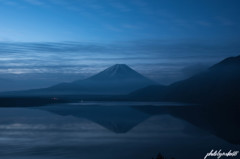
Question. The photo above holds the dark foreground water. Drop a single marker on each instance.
(110, 131)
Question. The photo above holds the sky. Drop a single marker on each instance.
(64, 40)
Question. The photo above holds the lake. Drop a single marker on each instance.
(110, 130)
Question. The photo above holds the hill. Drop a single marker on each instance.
(220, 83)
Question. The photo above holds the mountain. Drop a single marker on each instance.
(220, 83)
(118, 72)
(115, 80)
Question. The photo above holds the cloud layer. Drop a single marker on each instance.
(157, 59)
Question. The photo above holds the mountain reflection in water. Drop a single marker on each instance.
(114, 130)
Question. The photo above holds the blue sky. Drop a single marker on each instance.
(117, 20)
(166, 40)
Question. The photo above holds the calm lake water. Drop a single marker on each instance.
(107, 131)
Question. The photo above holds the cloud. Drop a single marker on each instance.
(139, 3)
(131, 26)
(191, 70)
(204, 23)
(112, 28)
(162, 60)
(49, 47)
(224, 21)
(35, 2)
(11, 3)
(120, 6)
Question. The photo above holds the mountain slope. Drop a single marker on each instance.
(220, 83)
(118, 72)
(117, 79)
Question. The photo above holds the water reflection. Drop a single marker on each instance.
(103, 131)
(223, 123)
(118, 119)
